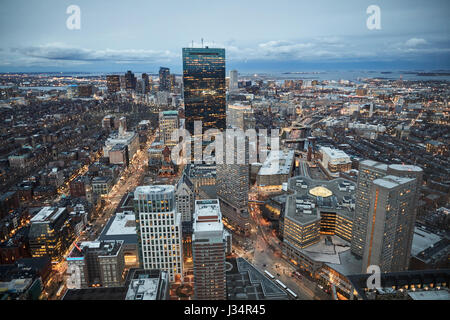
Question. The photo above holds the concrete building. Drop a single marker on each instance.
(233, 186)
(159, 229)
(168, 122)
(96, 264)
(127, 138)
(119, 154)
(122, 227)
(368, 171)
(208, 250)
(335, 161)
(233, 80)
(390, 214)
(140, 284)
(276, 169)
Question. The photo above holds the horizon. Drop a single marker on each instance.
(286, 37)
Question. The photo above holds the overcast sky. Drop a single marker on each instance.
(258, 35)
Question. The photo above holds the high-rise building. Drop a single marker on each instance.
(391, 213)
(130, 81)
(233, 186)
(204, 87)
(233, 80)
(164, 79)
(168, 122)
(159, 229)
(368, 171)
(113, 83)
(208, 250)
(173, 82)
(146, 81)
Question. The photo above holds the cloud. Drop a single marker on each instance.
(60, 51)
(415, 42)
(320, 49)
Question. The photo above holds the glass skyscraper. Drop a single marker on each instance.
(204, 87)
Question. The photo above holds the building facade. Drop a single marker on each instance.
(208, 250)
(159, 229)
(204, 87)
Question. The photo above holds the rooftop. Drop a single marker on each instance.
(47, 214)
(153, 189)
(277, 162)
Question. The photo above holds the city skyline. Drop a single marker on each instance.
(308, 36)
(212, 182)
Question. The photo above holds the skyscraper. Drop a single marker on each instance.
(232, 183)
(113, 83)
(208, 250)
(130, 81)
(159, 229)
(164, 79)
(146, 81)
(390, 216)
(168, 122)
(204, 87)
(233, 80)
(368, 171)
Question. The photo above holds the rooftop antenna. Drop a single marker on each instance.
(202, 42)
(192, 43)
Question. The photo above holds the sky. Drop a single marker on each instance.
(258, 35)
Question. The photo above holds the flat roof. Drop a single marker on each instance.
(143, 289)
(422, 240)
(430, 295)
(47, 214)
(405, 167)
(122, 223)
(391, 182)
(153, 189)
(277, 162)
(207, 216)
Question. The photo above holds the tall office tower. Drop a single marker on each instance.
(415, 172)
(164, 79)
(146, 82)
(173, 82)
(130, 81)
(113, 83)
(368, 171)
(208, 250)
(390, 215)
(232, 181)
(159, 229)
(233, 80)
(204, 87)
(168, 122)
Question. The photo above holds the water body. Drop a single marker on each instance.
(354, 75)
